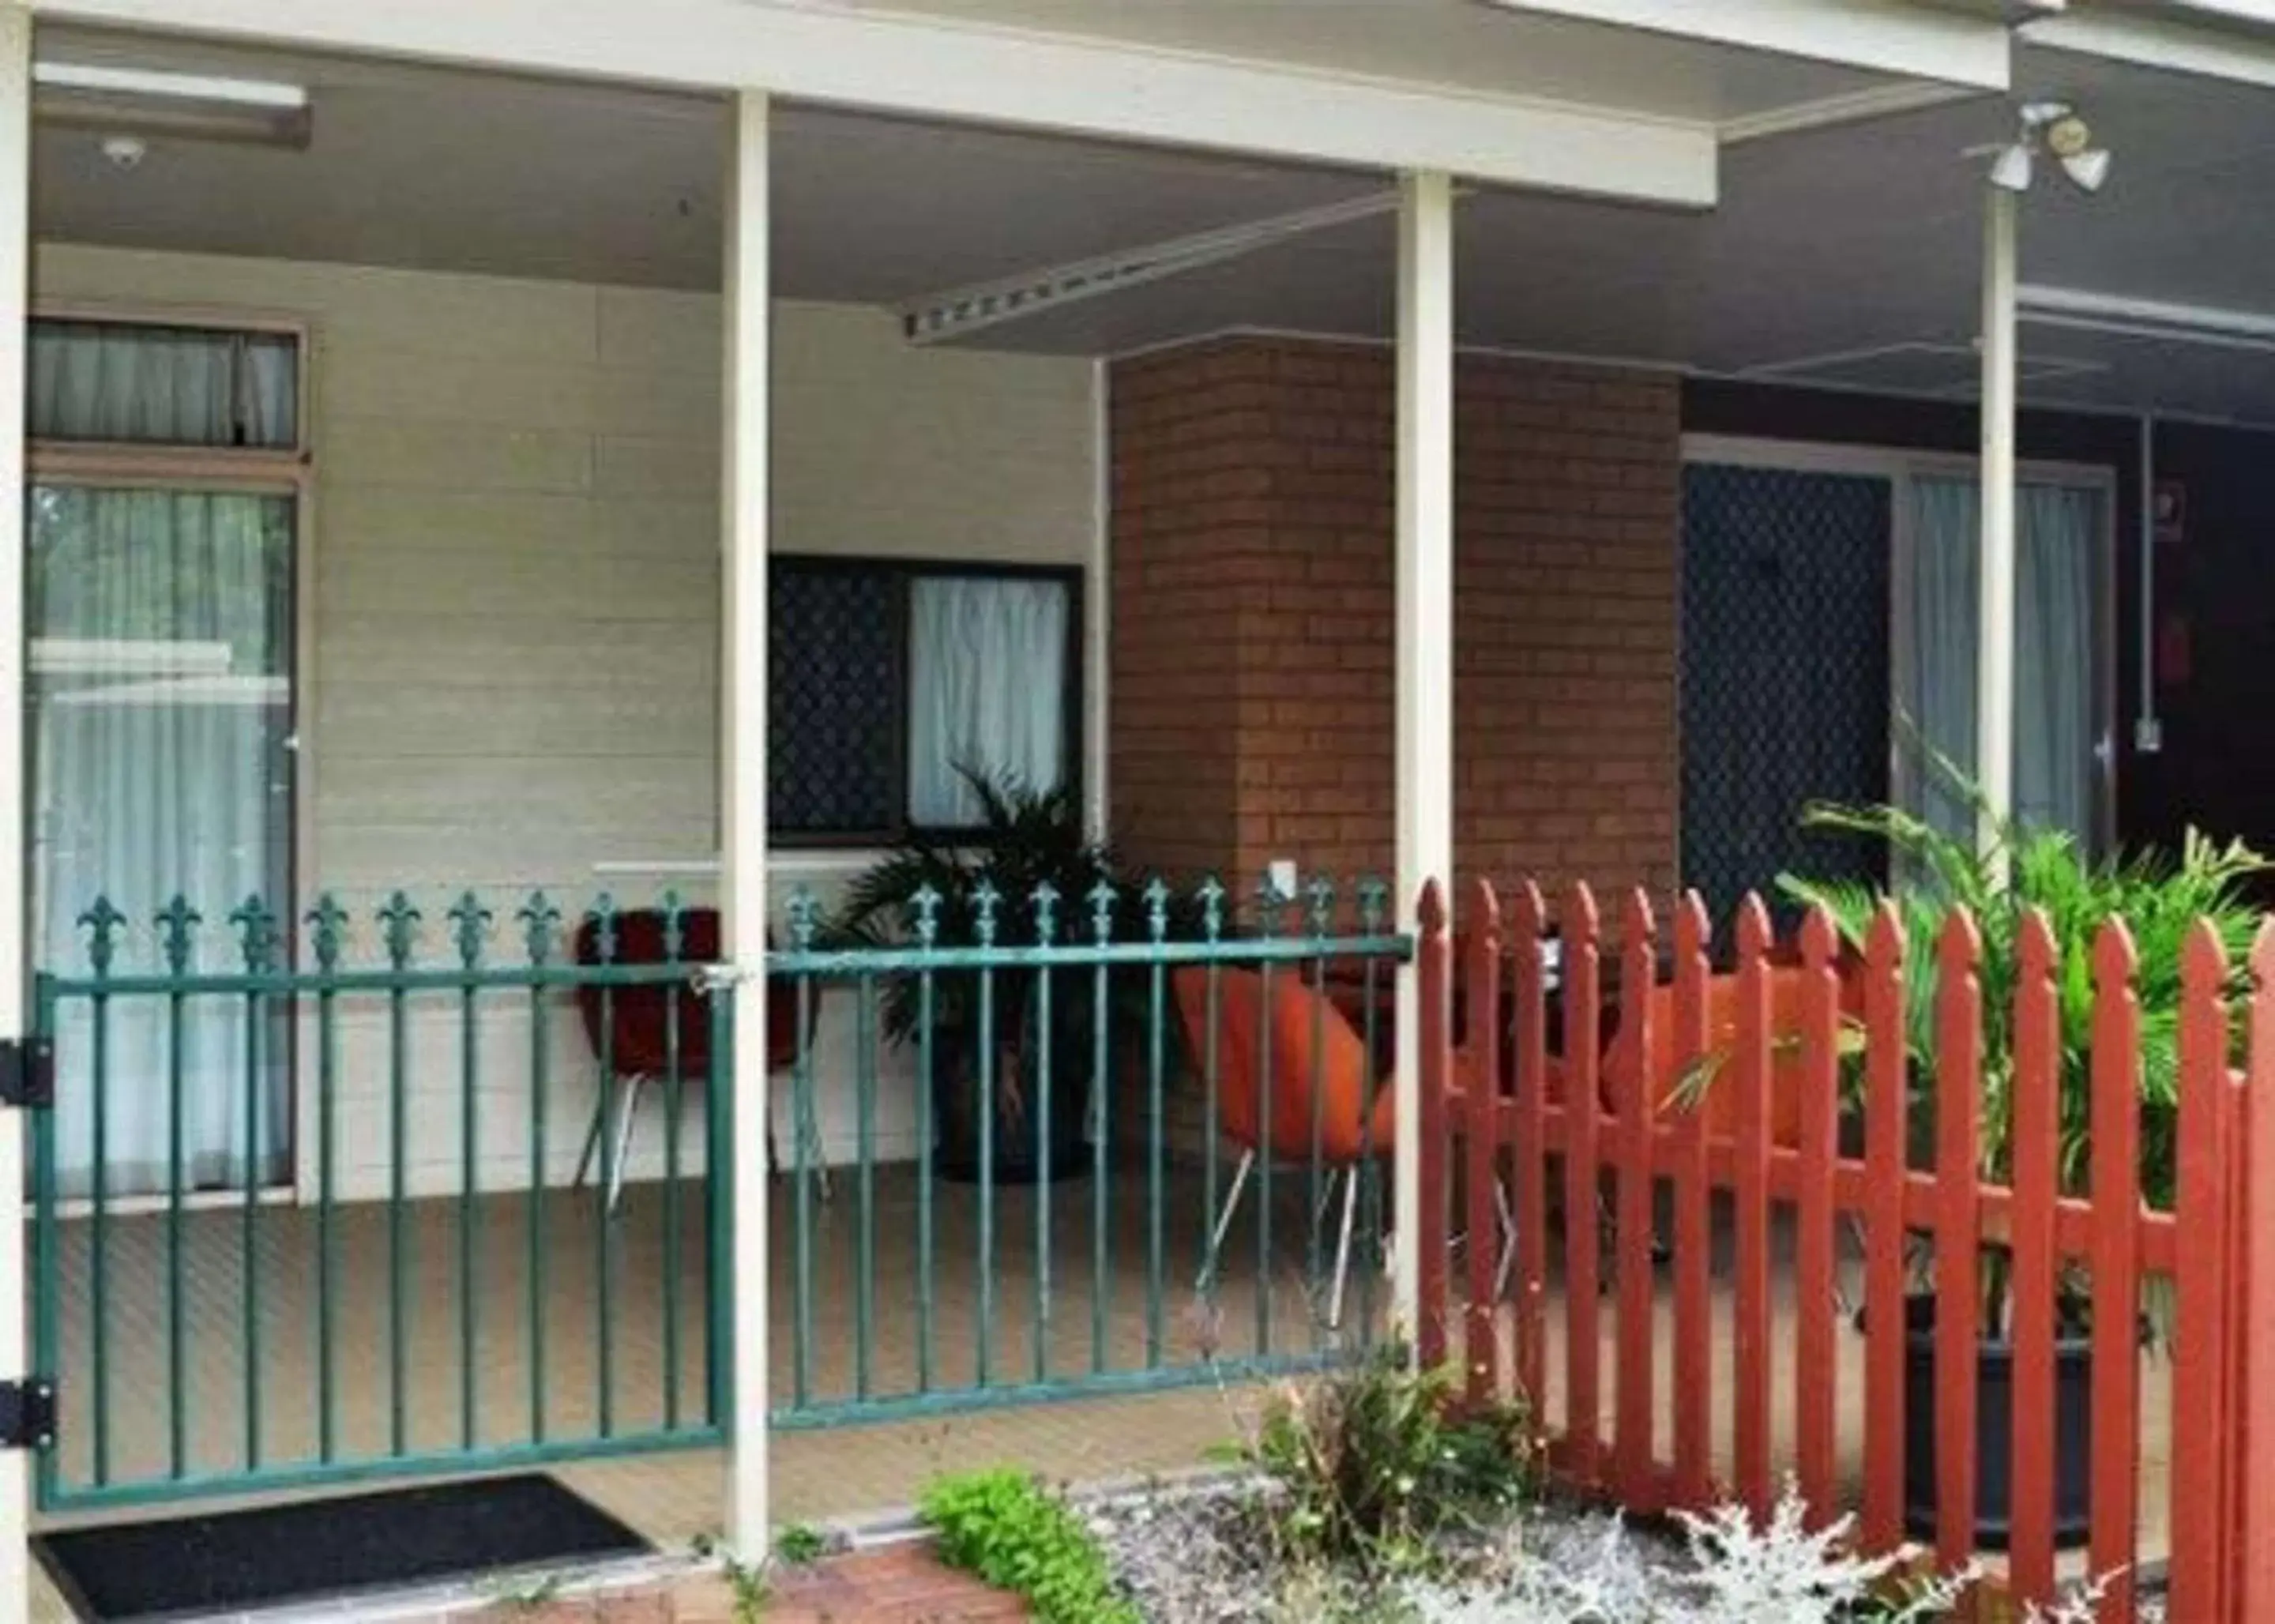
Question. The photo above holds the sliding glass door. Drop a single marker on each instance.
(161, 715)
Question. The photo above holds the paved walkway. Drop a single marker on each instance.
(902, 1584)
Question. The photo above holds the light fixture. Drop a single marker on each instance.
(2055, 129)
(146, 101)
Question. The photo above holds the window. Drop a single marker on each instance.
(160, 558)
(143, 383)
(885, 678)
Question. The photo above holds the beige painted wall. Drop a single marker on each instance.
(513, 663)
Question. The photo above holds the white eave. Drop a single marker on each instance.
(927, 68)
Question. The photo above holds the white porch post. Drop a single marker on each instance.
(1994, 664)
(743, 795)
(15, 252)
(1424, 790)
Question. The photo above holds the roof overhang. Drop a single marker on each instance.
(931, 68)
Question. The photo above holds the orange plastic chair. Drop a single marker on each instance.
(1320, 1067)
(1720, 1100)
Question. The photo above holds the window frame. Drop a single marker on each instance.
(904, 570)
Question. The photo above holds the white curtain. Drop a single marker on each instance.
(161, 650)
(2057, 532)
(167, 386)
(987, 687)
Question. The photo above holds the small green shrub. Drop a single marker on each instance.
(1008, 1530)
(1380, 1465)
(800, 1545)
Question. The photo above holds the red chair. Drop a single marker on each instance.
(638, 1020)
(1321, 1077)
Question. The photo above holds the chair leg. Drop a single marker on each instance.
(1343, 1247)
(633, 1085)
(1207, 1276)
(591, 1143)
(1507, 1215)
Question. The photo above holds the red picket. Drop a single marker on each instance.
(1886, 1084)
(1432, 952)
(1694, 1329)
(1751, 1354)
(1481, 1041)
(1638, 1113)
(1582, 1265)
(1959, 1091)
(1529, 1158)
(1816, 1373)
(2038, 1060)
(2116, 1127)
(2202, 1290)
(2252, 1158)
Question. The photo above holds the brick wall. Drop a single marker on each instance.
(1252, 613)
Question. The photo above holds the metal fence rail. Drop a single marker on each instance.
(395, 1297)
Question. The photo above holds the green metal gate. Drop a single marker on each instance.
(1053, 1215)
(396, 1278)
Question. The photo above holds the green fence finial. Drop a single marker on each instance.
(398, 929)
(926, 904)
(326, 924)
(256, 927)
(804, 915)
(1157, 908)
(1045, 905)
(604, 928)
(177, 924)
(1373, 905)
(675, 924)
(985, 900)
(1103, 901)
(471, 923)
(1321, 896)
(1210, 893)
(102, 922)
(539, 919)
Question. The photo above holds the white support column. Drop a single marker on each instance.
(15, 252)
(1425, 789)
(1994, 664)
(742, 795)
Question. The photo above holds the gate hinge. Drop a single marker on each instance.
(27, 1414)
(27, 1072)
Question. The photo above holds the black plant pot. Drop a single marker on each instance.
(1994, 1433)
(960, 1108)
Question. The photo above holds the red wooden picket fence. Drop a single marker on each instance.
(2217, 1249)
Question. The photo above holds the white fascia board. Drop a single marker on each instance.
(1882, 36)
(928, 69)
(2161, 43)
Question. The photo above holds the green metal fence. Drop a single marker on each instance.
(391, 1279)
(1009, 1186)
(306, 1208)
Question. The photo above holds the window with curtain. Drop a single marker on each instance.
(886, 680)
(2058, 529)
(160, 617)
(136, 383)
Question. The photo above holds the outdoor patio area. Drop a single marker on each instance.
(824, 1471)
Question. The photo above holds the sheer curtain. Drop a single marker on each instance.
(160, 692)
(159, 385)
(987, 685)
(2057, 530)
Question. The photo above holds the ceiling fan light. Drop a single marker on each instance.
(2087, 169)
(2010, 171)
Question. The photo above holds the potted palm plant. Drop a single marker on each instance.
(1028, 843)
(2000, 881)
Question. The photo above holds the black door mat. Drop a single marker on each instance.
(314, 1550)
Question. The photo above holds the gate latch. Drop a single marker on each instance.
(27, 1414)
(27, 1073)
